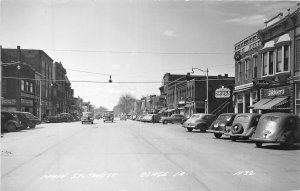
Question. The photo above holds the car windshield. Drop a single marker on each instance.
(29, 115)
(87, 114)
(196, 116)
(242, 118)
(271, 118)
(224, 117)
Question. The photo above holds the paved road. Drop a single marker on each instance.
(135, 156)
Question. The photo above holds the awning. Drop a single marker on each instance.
(180, 108)
(259, 104)
(163, 110)
(269, 44)
(275, 102)
(284, 38)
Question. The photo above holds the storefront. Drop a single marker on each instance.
(297, 98)
(274, 100)
(244, 96)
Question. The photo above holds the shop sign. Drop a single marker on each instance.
(281, 91)
(27, 95)
(261, 83)
(9, 101)
(222, 92)
(26, 102)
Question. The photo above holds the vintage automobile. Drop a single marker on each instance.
(151, 118)
(199, 121)
(108, 116)
(53, 119)
(243, 126)
(66, 117)
(175, 118)
(87, 117)
(218, 127)
(27, 119)
(123, 117)
(280, 128)
(9, 121)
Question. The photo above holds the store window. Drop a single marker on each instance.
(4, 86)
(271, 63)
(297, 100)
(297, 66)
(31, 87)
(239, 72)
(27, 87)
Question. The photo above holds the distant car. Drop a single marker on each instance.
(108, 116)
(27, 119)
(199, 121)
(151, 118)
(66, 117)
(218, 127)
(87, 117)
(123, 117)
(53, 119)
(243, 126)
(175, 118)
(280, 128)
(9, 121)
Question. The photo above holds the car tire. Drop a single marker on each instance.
(81, 122)
(258, 144)
(237, 128)
(165, 122)
(32, 125)
(218, 135)
(289, 143)
(24, 125)
(10, 127)
(233, 138)
(92, 122)
(190, 129)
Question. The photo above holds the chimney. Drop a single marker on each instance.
(18, 53)
(226, 75)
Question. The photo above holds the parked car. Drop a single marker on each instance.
(199, 121)
(218, 127)
(151, 118)
(140, 117)
(27, 119)
(53, 119)
(280, 128)
(108, 116)
(87, 117)
(175, 118)
(66, 117)
(9, 121)
(243, 126)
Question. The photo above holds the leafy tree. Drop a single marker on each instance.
(125, 104)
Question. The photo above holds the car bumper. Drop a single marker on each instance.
(262, 140)
(215, 131)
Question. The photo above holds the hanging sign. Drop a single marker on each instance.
(222, 92)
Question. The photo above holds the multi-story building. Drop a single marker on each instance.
(247, 70)
(276, 86)
(41, 63)
(188, 96)
(59, 77)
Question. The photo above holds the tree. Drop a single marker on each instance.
(100, 110)
(125, 104)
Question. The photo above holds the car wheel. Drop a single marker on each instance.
(233, 138)
(92, 122)
(190, 129)
(202, 130)
(289, 143)
(165, 122)
(218, 135)
(32, 125)
(258, 144)
(11, 127)
(24, 125)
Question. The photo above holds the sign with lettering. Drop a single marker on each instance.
(26, 102)
(9, 102)
(222, 92)
(273, 92)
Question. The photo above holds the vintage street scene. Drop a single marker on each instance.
(150, 95)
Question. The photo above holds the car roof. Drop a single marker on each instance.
(247, 114)
(280, 114)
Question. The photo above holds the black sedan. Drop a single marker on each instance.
(27, 119)
(199, 121)
(218, 127)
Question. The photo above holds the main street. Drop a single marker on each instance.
(135, 156)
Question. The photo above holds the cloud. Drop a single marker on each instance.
(169, 33)
(117, 66)
(250, 20)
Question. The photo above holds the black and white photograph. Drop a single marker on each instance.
(150, 95)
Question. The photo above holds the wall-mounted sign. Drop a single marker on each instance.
(272, 92)
(261, 83)
(9, 102)
(26, 102)
(222, 92)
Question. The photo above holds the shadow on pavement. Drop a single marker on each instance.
(279, 147)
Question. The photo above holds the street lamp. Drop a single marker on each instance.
(206, 101)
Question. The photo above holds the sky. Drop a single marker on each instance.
(134, 41)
